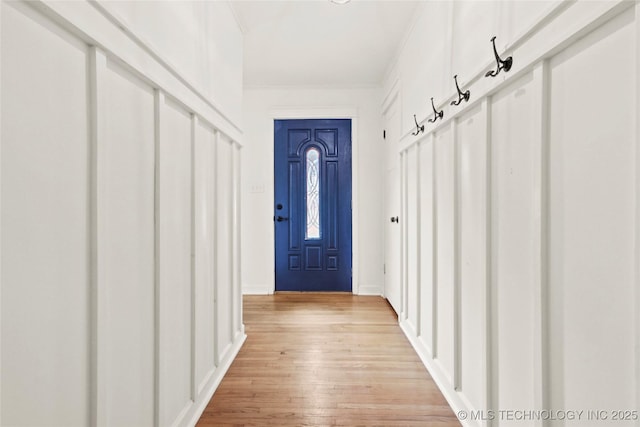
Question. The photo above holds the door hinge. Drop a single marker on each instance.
(384, 134)
(384, 268)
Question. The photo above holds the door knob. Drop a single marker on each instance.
(282, 218)
(394, 219)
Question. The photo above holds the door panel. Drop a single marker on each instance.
(392, 289)
(312, 215)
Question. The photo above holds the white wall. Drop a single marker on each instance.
(261, 107)
(527, 294)
(119, 223)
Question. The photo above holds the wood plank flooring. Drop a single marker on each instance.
(316, 359)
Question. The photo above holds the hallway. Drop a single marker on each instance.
(491, 196)
(325, 359)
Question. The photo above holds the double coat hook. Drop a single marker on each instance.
(461, 95)
(418, 128)
(502, 64)
(436, 114)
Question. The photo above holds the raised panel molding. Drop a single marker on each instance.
(97, 24)
(637, 219)
(47, 225)
(115, 69)
(561, 25)
(97, 141)
(527, 172)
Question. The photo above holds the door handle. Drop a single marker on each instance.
(394, 219)
(282, 218)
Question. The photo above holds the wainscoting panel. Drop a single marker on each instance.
(515, 231)
(224, 261)
(120, 228)
(126, 245)
(46, 223)
(204, 236)
(413, 239)
(428, 297)
(528, 240)
(445, 235)
(175, 262)
(592, 181)
(471, 258)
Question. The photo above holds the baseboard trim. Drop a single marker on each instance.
(446, 387)
(267, 290)
(369, 290)
(256, 290)
(214, 382)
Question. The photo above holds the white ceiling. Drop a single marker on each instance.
(320, 43)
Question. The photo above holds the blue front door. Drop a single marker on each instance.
(312, 212)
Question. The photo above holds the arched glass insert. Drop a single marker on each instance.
(313, 193)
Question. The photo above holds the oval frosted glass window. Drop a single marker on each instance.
(313, 194)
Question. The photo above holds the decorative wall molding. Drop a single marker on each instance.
(192, 231)
(541, 119)
(107, 12)
(214, 381)
(637, 216)
(488, 302)
(441, 379)
(457, 249)
(99, 321)
(216, 284)
(93, 23)
(559, 27)
(158, 103)
(110, 45)
(0, 218)
(564, 24)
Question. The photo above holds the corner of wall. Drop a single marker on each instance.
(263, 289)
(376, 290)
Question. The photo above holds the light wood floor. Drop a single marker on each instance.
(323, 360)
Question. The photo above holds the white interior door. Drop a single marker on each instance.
(392, 284)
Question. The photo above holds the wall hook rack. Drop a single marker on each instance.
(502, 64)
(419, 128)
(461, 95)
(436, 114)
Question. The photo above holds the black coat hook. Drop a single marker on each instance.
(502, 64)
(418, 128)
(436, 114)
(461, 95)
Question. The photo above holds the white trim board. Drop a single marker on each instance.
(215, 379)
(557, 30)
(1, 6)
(372, 290)
(106, 10)
(439, 377)
(96, 27)
(637, 213)
(264, 289)
(586, 21)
